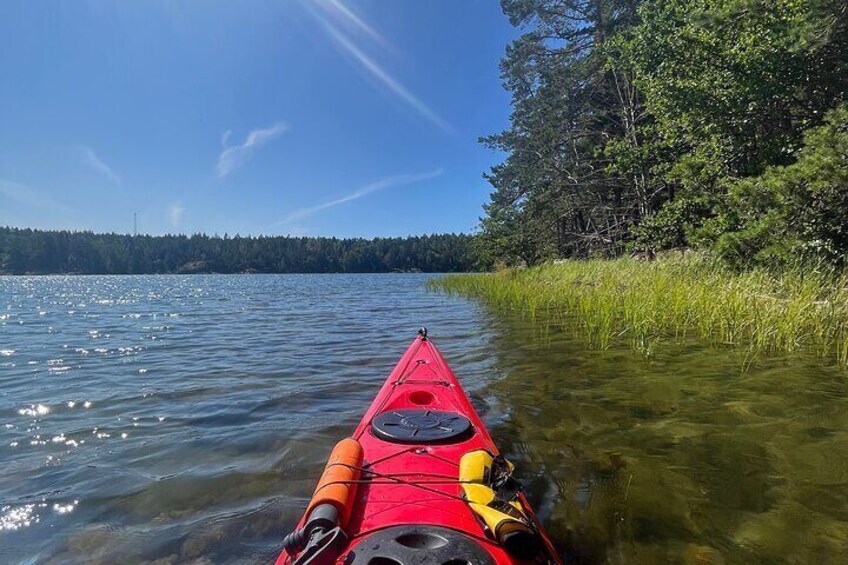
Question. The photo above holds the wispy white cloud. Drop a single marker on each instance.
(333, 11)
(28, 196)
(175, 213)
(91, 159)
(234, 156)
(382, 184)
(341, 13)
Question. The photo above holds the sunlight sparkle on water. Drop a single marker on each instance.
(65, 508)
(34, 410)
(16, 517)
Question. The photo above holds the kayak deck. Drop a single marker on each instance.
(413, 436)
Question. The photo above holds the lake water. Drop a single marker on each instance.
(175, 419)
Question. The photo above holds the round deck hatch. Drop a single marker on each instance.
(418, 545)
(420, 426)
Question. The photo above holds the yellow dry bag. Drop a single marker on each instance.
(505, 519)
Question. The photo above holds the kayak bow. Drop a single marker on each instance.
(419, 482)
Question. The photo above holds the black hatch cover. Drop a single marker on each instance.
(418, 545)
(420, 426)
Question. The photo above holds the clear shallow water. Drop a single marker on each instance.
(679, 458)
(176, 419)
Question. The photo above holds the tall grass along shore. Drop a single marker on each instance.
(781, 312)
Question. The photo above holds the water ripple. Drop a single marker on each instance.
(182, 417)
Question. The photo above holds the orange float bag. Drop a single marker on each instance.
(335, 487)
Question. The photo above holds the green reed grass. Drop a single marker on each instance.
(801, 308)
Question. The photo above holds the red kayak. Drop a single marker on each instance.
(419, 482)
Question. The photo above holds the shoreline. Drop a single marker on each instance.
(644, 302)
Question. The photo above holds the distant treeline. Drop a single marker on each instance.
(25, 251)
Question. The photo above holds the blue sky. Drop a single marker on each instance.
(304, 117)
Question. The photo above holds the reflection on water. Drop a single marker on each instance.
(680, 458)
(173, 419)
